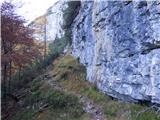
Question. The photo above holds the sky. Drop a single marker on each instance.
(32, 9)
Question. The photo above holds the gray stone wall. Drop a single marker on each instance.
(119, 43)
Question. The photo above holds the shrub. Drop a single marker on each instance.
(43, 93)
(57, 46)
(59, 99)
(27, 114)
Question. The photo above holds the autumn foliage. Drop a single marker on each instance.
(17, 45)
(16, 38)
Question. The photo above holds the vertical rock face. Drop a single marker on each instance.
(55, 20)
(49, 26)
(119, 43)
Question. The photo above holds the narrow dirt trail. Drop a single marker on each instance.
(89, 106)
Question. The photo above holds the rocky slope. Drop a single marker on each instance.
(119, 43)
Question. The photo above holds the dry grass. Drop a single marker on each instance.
(72, 76)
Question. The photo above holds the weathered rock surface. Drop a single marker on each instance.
(55, 20)
(119, 43)
(49, 26)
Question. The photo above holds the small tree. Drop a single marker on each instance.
(17, 42)
(39, 26)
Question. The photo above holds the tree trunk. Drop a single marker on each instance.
(45, 41)
(4, 82)
(10, 77)
(19, 76)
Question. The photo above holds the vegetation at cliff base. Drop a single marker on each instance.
(72, 76)
(43, 99)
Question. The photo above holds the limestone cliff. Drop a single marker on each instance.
(49, 26)
(119, 43)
